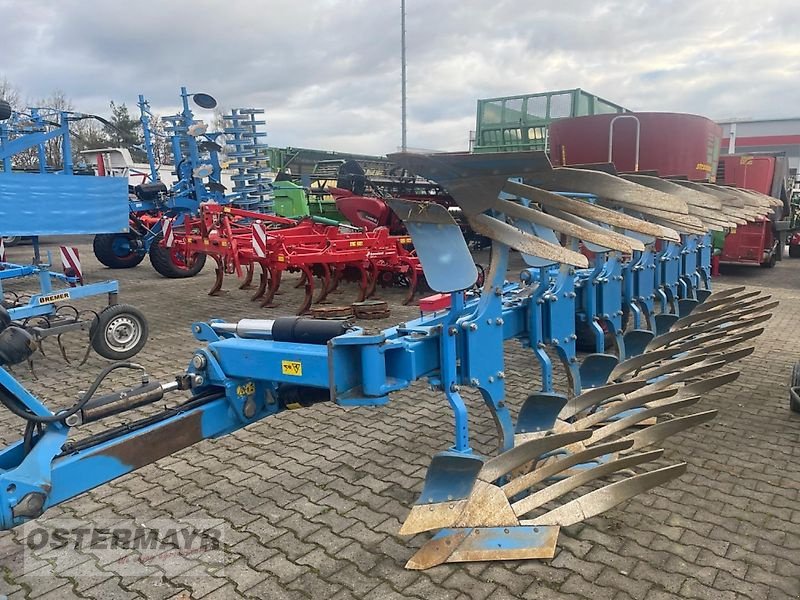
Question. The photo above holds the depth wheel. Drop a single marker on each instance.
(119, 332)
(173, 262)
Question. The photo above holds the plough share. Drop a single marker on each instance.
(565, 458)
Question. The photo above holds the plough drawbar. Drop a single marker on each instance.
(636, 277)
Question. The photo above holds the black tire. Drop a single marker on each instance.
(119, 332)
(107, 250)
(162, 260)
(5, 110)
(773, 260)
(794, 389)
(794, 251)
(12, 240)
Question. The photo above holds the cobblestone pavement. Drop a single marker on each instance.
(310, 501)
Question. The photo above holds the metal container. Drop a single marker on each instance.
(669, 143)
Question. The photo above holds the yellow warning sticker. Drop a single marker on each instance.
(51, 298)
(703, 167)
(292, 367)
(246, 389)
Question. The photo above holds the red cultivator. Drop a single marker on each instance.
(238, 240)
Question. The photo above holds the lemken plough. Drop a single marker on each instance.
(628, 263)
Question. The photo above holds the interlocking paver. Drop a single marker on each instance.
(316, 496)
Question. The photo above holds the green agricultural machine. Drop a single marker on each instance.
(514, 123)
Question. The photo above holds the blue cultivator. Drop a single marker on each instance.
(566, 458)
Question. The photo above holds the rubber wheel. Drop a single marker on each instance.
(119, 332)
(794, 251)
(794, 389)
(5, 110)
(171, 263)
(773, 260)
(12, 240)
(114, 250)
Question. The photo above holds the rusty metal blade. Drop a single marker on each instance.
(589, 211)
(596, 396)
(602, 237)
(635, 244)
(698, 388)
(690, 196)
(558, 489)
(613, 409)
(551, 469)
(608, 186)
(683, 375)
(486, 543)
(523, 242)
(658, 432)
(599, 501)
(507, 461)
(620, 425)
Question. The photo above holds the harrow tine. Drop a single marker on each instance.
(364, 284)
(655, 434)
(558, 489)
(609, 496)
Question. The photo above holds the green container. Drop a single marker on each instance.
(289, 199)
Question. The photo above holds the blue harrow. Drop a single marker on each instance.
(566, 457)
(42, 193)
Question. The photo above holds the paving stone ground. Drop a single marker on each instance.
(310, 501)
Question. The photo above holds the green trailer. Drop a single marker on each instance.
(514, 123)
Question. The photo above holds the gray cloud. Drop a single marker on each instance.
(327, 72)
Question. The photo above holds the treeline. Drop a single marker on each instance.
(122, 131)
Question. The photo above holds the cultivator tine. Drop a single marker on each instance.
(219, 271)
(308, 277)
(274, 284)
(607, 497)
(248, 278)
(325, 284)
(263, 280)
(413, 282)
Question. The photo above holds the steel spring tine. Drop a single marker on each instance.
(63, 349)
(90, 345)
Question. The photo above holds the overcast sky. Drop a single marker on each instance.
(328, 71)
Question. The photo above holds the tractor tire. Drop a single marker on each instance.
(171, 264)
(119, 332)
(773, 260)
(114, 250)
(794, 389)
(12, 240)
(794, 251)
(5, 110)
